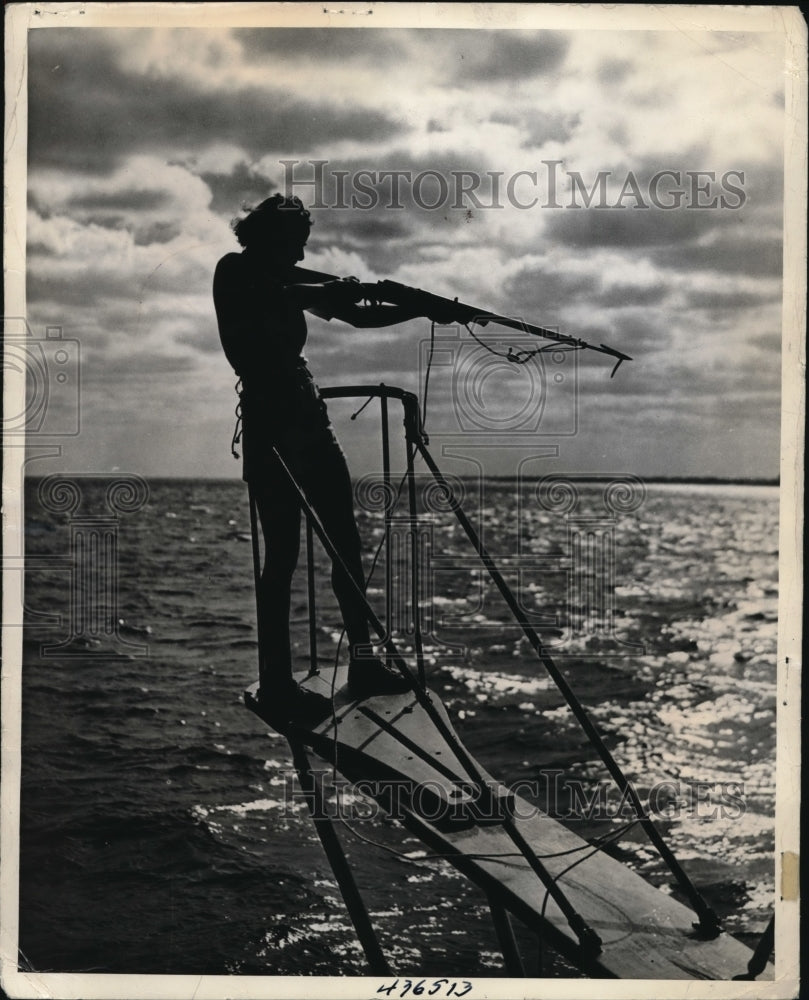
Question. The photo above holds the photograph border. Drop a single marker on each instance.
(20, 17)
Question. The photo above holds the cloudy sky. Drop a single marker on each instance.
(144, 144)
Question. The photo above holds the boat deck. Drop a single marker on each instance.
(396, 749)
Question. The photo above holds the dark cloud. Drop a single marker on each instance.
(763, 186)
(546, 294)
(143, 233)
(491, 56)
(699, 235)
(548, 128)
(70, 290)
(620, 295)
(156, 232)
(733, 252)
(105, 209)
(767, 342)
(36, 249)
(205, 339)
(640, 334)
(631, 318)
(613, 70)
(87, 113)
(240, 188)
(114, 222)
(618, 134)
(127, 201)
(318, 45)
(721, 299)
(542, 299)
(388, 227)
(133, 366)
(540, 127)
(628, 227)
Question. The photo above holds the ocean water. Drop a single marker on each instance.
(161, 829)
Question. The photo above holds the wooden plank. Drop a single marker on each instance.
(645, 933)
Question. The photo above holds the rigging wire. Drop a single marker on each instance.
(593, 847)
(606, 839)
(368, 579)
(518, 357)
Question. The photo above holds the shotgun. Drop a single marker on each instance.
(435, 306)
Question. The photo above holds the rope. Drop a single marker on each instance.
(520, 357)
(238, 429)
(427, 375)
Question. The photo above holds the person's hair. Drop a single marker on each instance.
(279, 219)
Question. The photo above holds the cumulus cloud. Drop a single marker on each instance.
(144, 144)
(88, 112)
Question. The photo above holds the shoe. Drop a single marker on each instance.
(370, 677)
(297, 706)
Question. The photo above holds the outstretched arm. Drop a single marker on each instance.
(340, 299)
(325, 298)
(365, 317)
(378, 314)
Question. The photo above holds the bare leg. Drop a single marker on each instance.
(280, 526)
(331, 495)
(280, 516)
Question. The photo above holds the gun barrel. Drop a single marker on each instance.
(396, 293)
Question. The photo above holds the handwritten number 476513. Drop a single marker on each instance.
(427, 987)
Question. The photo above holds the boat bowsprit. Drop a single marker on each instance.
(403, 752)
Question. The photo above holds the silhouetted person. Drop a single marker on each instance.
(260, 311)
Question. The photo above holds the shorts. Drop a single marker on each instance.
(295, 420)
